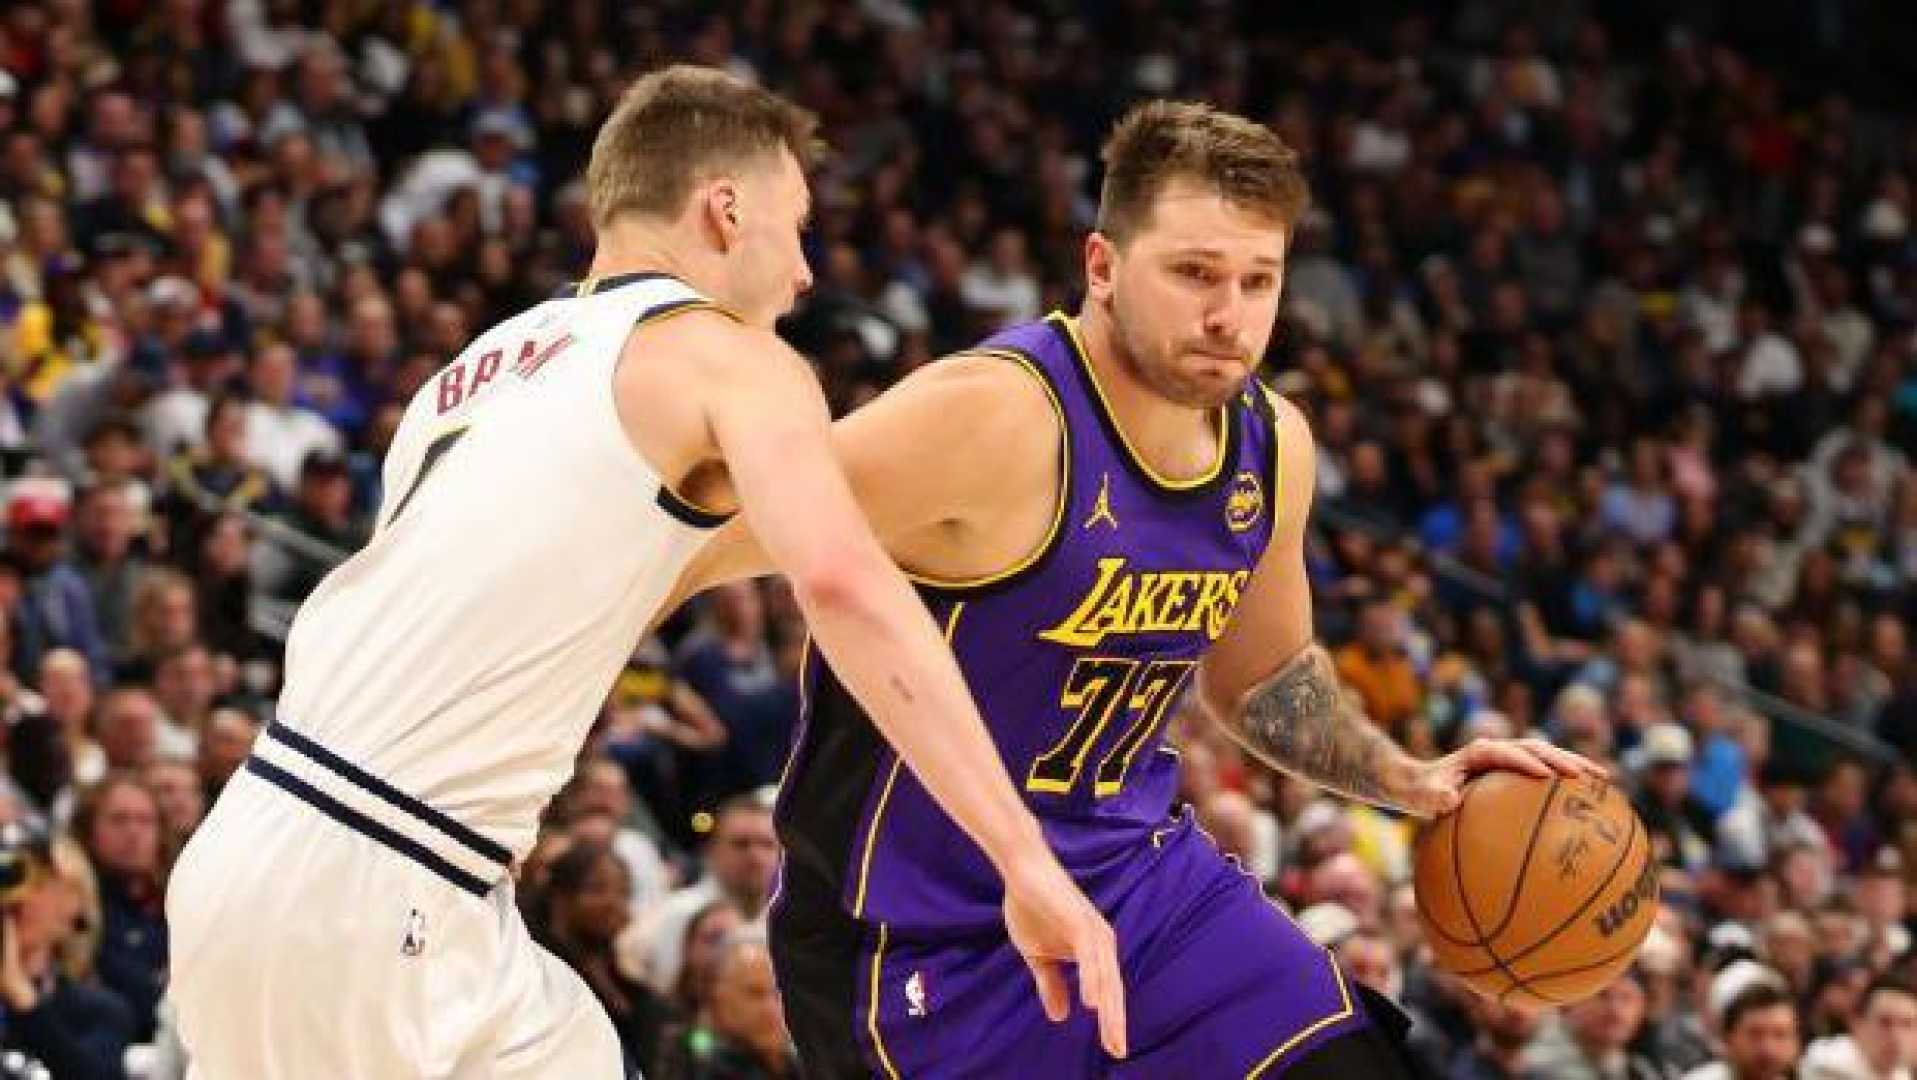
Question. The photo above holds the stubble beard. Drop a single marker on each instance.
(1160, 374)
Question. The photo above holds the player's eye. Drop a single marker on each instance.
(1258, 283)
(1192, 272)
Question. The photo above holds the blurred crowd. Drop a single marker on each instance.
(1605, 327)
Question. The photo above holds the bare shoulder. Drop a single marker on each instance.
(1297, 457)
(983, 401)
(683, 378)
(706, 343)
(1291, 419)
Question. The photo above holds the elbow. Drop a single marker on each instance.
(1208, 698)
(832, 584)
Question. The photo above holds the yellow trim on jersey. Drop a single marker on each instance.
(1278, 405)
(1125, 442)
(1064, 486)
(872, 1006)
(1344, 991)
(1345, 1009)
(878, 812)
(792, 755)
(672, 309)
(872, 836)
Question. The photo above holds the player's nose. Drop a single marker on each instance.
(1223, 316)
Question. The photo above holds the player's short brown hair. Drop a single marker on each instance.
(1161, 140)
(678, 125)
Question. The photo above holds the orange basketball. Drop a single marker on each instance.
(1538, 890)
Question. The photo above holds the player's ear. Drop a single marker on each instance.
(1101, 256)
(721, 211)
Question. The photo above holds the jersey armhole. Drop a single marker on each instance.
(1002, 579)
(1267, 406)
(675, 504)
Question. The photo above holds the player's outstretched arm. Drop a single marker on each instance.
(1277, 692)
(770, 423)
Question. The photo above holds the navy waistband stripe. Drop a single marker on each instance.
(487, 849)
(364, 825)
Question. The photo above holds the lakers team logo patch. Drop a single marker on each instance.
(1245, 503)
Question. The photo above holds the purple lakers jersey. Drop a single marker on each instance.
(1076, 656)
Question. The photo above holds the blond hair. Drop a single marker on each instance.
(1160, 141)
(676, 126)
(78, 950)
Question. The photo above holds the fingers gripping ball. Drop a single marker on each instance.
(1536, 890)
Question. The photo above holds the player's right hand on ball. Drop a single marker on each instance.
(1051, 924)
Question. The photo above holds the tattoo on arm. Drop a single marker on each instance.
(1300, 721)
(904, 691)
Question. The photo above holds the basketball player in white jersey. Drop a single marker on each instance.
(347, 908)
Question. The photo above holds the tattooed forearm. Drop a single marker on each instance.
(1299, 721)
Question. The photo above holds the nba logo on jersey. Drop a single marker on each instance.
(915, 994)
(414, 943)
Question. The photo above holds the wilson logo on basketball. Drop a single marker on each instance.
(1580, 809)
(1626, 906)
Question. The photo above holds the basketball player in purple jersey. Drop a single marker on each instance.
(1106, 516)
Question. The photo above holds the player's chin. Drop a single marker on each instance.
(1212, 383)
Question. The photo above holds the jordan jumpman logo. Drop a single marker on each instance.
(1102, 509)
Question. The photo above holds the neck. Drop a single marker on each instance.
(1176, 440)
(631, 248)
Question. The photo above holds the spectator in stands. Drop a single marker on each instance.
(705, 934)
(741, 857)
(66, 689)
(741, 1032)
(1375, 666)
(131, 731)
(183, 684)
(600, 787)
(321, 510)
(588, 905)
(181, 800)
(56, 607)
(224, 584)
(105, 555)
(658, 728)
(1680, 828)
(1594, 1039)
(282, 434)
(118, 821)
(1502, 1033)
(729, 662)
(1761, 1039)
(165, 620)
(176, 418)
(225, 742)
(1882, 1041)
(215, 478)
(54, 1011)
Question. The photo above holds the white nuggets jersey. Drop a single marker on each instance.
(522, 547)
